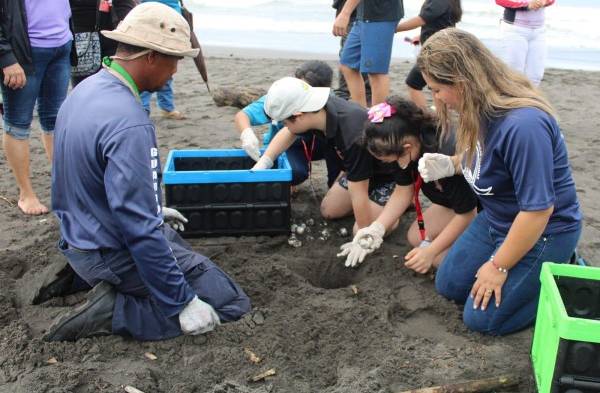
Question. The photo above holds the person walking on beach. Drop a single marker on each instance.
(434, 16)
(35, 59)
(342, 89)
(164, 96)
(307, 147)
(400, 132)
(148, 282)
(366, 184)
(368, 48)
(524, 36)
(511, 152)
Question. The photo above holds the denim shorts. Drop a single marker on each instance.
(378, 192)
(47, 85)
(368, 47)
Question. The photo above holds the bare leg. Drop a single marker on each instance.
(48, 141)
(417, 97)
(436, 218)
(380, 88)
(356, 85)
(336, 203)
(17, 155)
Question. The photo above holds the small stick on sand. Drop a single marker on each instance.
(5, 199)
(476, 386)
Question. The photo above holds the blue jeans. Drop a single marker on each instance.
(520, 292)
(136, 312)
(164, 97)
(47, 85)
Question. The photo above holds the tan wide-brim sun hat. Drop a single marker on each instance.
(155, 26)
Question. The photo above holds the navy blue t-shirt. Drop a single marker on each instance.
(522, 165)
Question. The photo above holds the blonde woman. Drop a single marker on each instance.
(512, 153)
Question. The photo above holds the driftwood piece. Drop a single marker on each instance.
(475, 386)
(236, 96)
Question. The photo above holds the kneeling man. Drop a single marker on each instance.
(147, 282)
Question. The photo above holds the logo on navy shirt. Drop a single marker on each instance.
(471, 176)
(154, 166)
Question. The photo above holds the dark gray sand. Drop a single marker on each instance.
(308, 324)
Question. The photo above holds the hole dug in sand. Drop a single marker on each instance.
(327, 274)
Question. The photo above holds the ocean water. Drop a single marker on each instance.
(572, 27)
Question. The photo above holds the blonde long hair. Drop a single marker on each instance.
(487, 86)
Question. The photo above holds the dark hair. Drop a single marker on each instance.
(316, 73)
(388, 137)
(456, 11)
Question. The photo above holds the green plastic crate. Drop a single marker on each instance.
(566, 344)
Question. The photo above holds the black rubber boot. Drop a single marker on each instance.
(92, 318)
(59, 284)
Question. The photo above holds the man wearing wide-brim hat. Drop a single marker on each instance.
(147, 282)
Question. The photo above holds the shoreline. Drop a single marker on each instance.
(222, 51)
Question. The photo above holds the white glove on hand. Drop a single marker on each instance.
(263, 163)
(198, 317)
(250, 143)
(174, 218)
(365, 241)
(354, 253)
(435, 166)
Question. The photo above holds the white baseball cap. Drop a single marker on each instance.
(292, 95)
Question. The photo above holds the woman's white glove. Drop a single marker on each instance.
(435, 166)
(365, 241)
(198, 317)
(174, 218)
(250, 143)
(263, 163)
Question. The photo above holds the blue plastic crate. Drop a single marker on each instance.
(219, 195)
(222, 166)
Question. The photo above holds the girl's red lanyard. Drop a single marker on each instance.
(418, 182)
(309, 154)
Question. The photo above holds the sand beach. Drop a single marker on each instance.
(393, 333)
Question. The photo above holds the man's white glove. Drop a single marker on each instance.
(263, 163)
(435, 166)
(365, 241)
(174, 218)
(198, 317)
(250, 143)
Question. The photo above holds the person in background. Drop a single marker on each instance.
(85, 13)
(342, 90)
(434, 16)
(524, 36)
(307, 147)
(399, 132)
(164, 96)
(368, 48)
(512, 153)
(366, 184)
(147, 281)
(35, 64)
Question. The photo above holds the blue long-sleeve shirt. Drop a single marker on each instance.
(106, 184)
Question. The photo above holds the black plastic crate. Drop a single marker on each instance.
(219, 195)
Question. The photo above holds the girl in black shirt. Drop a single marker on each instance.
(434, 16)
(400, 132)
